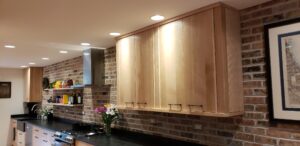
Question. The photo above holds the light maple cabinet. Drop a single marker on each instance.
(33, 84)
(188, 65)
(127, 75)
(42, 137)
(136, 70)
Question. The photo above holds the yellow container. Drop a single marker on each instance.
(65, 99)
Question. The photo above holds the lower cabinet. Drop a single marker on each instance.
(80, 143)
(42, 137)
(20, 139)
(13, 132)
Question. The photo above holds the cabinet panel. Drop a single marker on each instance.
(197, 63)
(145, 48)
(170, 74)
(126, 59)
(33, 84)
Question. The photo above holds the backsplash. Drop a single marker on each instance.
(92, 96)
(251, 129)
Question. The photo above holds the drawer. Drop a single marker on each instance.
(20, 136)
(20, 143)
(36, 130)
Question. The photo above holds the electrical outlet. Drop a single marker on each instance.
(198, 127)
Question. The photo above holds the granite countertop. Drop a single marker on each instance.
(127, 138)
(118, 138)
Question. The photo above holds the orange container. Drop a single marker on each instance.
(65, 99)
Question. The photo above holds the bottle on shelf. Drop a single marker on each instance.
(79, 98)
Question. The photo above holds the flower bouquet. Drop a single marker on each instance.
(109, 114)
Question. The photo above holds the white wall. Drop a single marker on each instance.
(13, 105)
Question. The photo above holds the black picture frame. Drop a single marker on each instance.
(267, 27)
(5, 90)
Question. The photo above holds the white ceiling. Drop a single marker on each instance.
(41, 28)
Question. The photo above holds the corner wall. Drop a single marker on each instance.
(13, 105)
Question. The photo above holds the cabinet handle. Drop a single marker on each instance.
(45, 133)
(195, 105)
(141, 104)
(45, 141)
(36, 137)
(129, 103)
(176, 105)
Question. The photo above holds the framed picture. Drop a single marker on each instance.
(5, 90)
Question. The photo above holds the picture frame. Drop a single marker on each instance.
(5, 90)
(283, 60)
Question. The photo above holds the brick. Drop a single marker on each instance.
(255, 130)
(262, 12)
(265, 140)
(255, 100)
(249, 107)
(278, 133)
(244, 137)
(256, 116)
(261, 108)
(252, 53)
(293, 14)
(288, 143)
(252, 69)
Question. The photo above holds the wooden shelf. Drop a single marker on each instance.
(61, 89)
(208, 114)
(68, 105)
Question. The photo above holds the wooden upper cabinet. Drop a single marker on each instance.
(33, 84)
(190, 64)
(145, 44)
(136, 70)
(197, 63)
(228, 60)
(169, 65)
(127, 74)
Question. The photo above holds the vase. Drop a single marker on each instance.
(107, 129)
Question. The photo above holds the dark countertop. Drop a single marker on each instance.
(118, 137)
(127, 138)
(51, 125)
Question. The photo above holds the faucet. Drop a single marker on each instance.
(34, 108)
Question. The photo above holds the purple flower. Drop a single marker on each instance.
(100, 109)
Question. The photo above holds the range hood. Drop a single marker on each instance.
(93, 67)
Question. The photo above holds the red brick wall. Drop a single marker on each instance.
(92, 96)
(251, 129)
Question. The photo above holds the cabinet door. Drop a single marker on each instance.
(33, 84)
(126, 60)
(197, 73)
(170, 81)
(145, 47)
(27, 84)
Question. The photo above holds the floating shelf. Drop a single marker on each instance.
(60, 89)
(68, 105)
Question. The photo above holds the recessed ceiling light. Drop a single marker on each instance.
(23, 66)
(114, 34)
(63, 52)
(9, 46)
(157, 17)
(85, 44)
(31, 63)
(45, 58)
